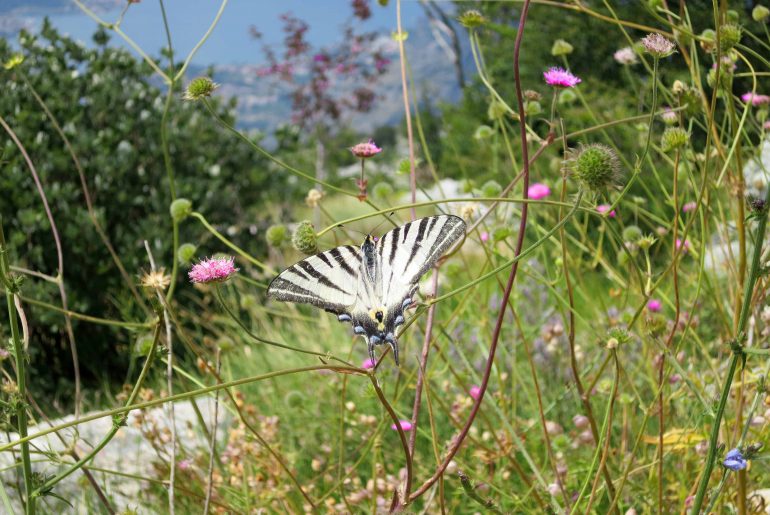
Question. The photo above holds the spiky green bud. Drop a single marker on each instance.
(595, 166)
(708, 40)
(304, 238)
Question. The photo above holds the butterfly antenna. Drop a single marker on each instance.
(387, 219)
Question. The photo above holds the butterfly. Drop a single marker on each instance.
(371, 286)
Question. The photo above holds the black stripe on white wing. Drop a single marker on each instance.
(408, 252)
(328, 280)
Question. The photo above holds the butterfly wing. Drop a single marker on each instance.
(406, 253)
(328, 280)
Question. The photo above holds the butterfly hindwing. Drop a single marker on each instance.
(328, 280)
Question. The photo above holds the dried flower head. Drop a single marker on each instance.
(560, 78)
(626, 56)
(199, 87)
(658, 45)
(313, 197)
(594, 166)
(365, 150)
(156, 280)
(212, 270)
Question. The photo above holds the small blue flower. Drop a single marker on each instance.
(734, 460)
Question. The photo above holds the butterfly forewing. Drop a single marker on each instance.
(328, 280)
(408, 252)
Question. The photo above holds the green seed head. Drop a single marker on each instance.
(760, 13)
(632, 233)
(561, 47)
(472, 19)
(491, 189)
(595, 166)
(180, 209)
(276, 235)
(185, 253)
(304, 238)
(730, 35)
(200, 87)
(674, 138)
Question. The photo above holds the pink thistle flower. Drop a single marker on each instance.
(365, 150)
(756, 100)
(654, 305)
(405, 425)
(560, 78)
(538, 191)
(603, 208)
(475, 392)
(484, 236)
(689, 206)
(683, 245)
(212, 270)
(185, 464)
(368, 363)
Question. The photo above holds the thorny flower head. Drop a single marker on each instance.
(213, 270)
(199, 88)
(560, 78)
(658, 45)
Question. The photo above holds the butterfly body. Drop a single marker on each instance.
(371, 286)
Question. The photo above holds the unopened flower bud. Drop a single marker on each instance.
(180, 209)
(304, 238)
(199, 88)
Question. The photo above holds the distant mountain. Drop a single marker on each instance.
(264, 103)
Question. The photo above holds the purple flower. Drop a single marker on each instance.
(405, 425)
(657, 45)
(560, 78)
(365, 150)
(625, 56)
(603, 208)
(683, 245)
(538, 191)
(475, 392)
(484, 236)
(212, 270)
(734, 460)
(654, 305)
(368, 364)
(689, 206)
(756, 100)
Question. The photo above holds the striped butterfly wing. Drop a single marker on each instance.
(406, 253)
(328, 280)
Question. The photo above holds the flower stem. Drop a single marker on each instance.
(21, 378)
(737, 354)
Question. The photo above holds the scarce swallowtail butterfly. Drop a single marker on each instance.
(371, 286)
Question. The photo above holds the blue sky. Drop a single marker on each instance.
(189, 19)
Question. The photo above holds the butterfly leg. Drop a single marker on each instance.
(393, 345)
(370, 347)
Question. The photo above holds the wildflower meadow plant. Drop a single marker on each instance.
(578, 294)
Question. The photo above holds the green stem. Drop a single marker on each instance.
(21, 379)
(230, 244)
(738, 353)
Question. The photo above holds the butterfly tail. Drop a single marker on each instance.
(394, 345)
